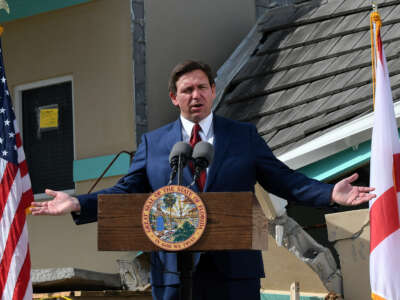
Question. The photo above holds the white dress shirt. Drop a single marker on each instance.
(206, 132)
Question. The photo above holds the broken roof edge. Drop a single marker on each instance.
(337, 140)
(337, 152)
(332, 142)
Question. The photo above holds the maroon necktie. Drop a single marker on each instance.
(194, 139)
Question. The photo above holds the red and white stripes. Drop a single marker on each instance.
(15, 197)
(385, 177)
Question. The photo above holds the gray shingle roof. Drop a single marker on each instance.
(311, 70)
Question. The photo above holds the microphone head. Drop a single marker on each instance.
(204, 151)
(180, 148)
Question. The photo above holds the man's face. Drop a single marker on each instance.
(194, 95)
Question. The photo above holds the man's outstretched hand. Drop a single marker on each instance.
(61, 204)
(345, 194)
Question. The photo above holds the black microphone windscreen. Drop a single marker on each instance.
(204, 150)
(181, 148)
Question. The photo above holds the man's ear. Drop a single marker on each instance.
(213, 89)
(172, 96)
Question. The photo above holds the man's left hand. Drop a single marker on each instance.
(345, 194)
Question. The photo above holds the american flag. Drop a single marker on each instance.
(15, 197)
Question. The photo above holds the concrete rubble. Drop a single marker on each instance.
(134, 275)
(69, 279)
(290, 235)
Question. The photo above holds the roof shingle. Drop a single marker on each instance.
(311, 71)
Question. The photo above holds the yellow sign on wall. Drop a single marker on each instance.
(48, 118)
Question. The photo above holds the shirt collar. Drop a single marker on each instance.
(205, 124)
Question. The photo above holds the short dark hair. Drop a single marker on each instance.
(186, 67)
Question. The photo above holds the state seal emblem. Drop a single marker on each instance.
(174, 217)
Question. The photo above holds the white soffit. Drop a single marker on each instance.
(339, 139)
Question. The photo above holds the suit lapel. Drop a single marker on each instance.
(174, 136)
(222, 138)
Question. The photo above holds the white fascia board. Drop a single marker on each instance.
(337, 140)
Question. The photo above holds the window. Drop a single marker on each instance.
(45, 113)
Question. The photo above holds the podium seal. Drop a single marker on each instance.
(174, 217)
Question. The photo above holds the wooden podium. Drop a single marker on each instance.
(235, 221)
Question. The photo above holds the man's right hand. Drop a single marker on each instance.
(61, 204)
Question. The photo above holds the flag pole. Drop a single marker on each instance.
(374, 19)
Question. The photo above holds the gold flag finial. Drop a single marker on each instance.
(374, 5)
(4, 5)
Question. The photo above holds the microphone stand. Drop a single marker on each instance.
(180, 169)
(185, 259)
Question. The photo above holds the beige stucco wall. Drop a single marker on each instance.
(57, 242)
(176, 30)
(92, 43)
(350, 233)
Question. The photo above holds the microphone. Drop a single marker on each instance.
(203, 154)
(180, 154)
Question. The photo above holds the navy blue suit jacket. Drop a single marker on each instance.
(241, 159)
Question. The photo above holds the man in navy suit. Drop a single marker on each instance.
(242, 158)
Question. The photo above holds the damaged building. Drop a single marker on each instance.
(303, 77)
(300, 70)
